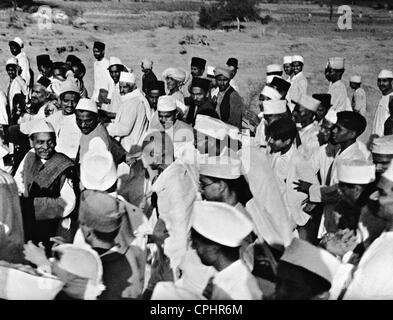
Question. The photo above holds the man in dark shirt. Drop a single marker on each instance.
(148, 77)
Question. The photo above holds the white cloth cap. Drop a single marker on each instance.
(127, 77)
(356, 172)
(87, 105)
(147, 63)
(382, 145)
(297, 58)
(68, 86)
(273, 68)
(214, 128)
(223, 167)
(331, 116)
(220, 223)
(336, 63)
(12, 61)
(271, 93)
(177, 74)
(210, 71)
(41, 127)
(308, 102)
(113, 61)
(385, 74)
(356, 79)
(98, 170)
(19, 41)
(166, 104)
(274, 106)
(287, 59)
(319, 261)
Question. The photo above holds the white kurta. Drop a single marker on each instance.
(114, 96)
(373, 277)
(340, 100)
(309, 138)
(237, 283)
(24, 63)
(67, 132)
(18, 85)
(297, 88)
(381, 115)
(288, 168)
(131, 122)
(359, 101)
(102, 79)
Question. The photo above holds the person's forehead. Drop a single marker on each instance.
(385, 184)
(197, 90)
(43, 136)
(222, 78)
(69, 96)
(154, 93)
(124, 84)
(382, 158)
(85, 114)
(114, 68)
(166, 113)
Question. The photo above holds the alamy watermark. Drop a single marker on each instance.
(345, 20)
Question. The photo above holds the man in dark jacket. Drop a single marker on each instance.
(199, 102)
(229, 103)
(148, 77)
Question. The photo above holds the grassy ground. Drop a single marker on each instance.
(135, 30)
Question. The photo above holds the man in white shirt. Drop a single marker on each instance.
(304, 115)
(358, 97)
(16, 47)
(371, 278)
(298, 81)
(385, 84)
(219, 247)
(333, 72)
(16, 86)
(101, 75)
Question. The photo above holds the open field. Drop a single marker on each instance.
(134, 30)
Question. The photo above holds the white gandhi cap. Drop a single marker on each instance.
(220, 223)
(271, 93)
(87, 105)
(308, 102)
(319, 261)
(210, 71)
(42, 127)
(331, 116)
(356, 172)
(274, 106)
(127, 77)
(215, 128)
(383, 145)
(385, 74)
(336, 63)
(297, 58)
(166, 104)
(356, 79)
(287, 59)
(273, 68)
(223, 167)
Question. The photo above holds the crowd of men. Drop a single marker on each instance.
(174, 189)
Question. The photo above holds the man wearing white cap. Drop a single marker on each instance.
(213, 90)
(349, 126)
(382, 152)
(229, 103)
(371, 277)
(111, 101)
(358, 100)
(304, 114)
(17, 84)
(333, 72)
(220, 248)
(289, 165)
(272, 111)
(86, 113)
(305, 272)
(45, 182)
(67, 132)
(148, 77)
(180, 132)
(16, 47)
(298, 81)
(102, 79)
(131, 120)
(287, 66)
(385, 84)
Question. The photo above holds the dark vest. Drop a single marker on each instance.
(225, 106)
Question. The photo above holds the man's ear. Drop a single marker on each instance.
(358, 189)
(288, 142)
